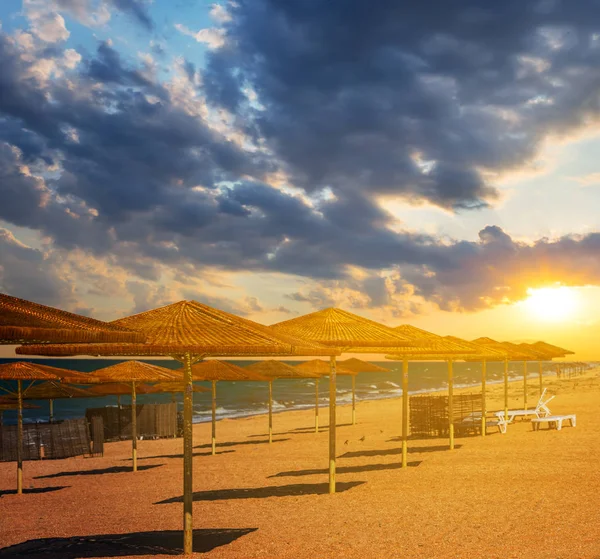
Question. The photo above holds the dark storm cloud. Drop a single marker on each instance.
(412, 99)
(139, 178)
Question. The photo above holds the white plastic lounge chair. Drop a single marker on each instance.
(556, 420)
(540, 410)
(473, 421)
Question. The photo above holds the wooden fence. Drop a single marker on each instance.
(429, 414)
(153, 420)
(61, 439)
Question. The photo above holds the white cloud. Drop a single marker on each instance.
(213, 37)
(219, 13)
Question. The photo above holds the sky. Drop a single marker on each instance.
(433, 165)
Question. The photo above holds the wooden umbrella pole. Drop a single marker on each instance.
(524, 385)
(19, 439)
(483, 402)
(540, 371)
(187, 456)
(270, 411)
(332, 423)
(353, 399)
(404, 413)
(505, 389)
(214, 417)
(316, 405)
(119, 416)
(450, 404)
(51, 410)
(133, 426)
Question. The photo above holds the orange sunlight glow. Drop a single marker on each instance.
(552, 303)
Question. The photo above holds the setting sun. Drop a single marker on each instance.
(552, 303)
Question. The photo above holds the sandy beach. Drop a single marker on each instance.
(523, 494)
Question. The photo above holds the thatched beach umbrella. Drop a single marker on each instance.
(52, 390)
(359, 366)
(349, 333)
(8, 403)
(541, 357)
(272, 370)
(483, 354)
(214, 371)
(526, 356)
(322, 369)
(512, 354)
(190, 331)
(132, 372)
(23, 321)
(427, 346)
(20, 371)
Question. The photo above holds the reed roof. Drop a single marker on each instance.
(51, 390)
(22, 370)
(323, 368)
(434, 347)
(338, 328)
(527, 354)
(481, 352)
(191, 327)
(9, 403)
(135, 371)
(23, 321)
(118, 389)
(172, 387)
(360, 366)
(414, 333)
(558, 351)
(215, 370)
(273, 369)
(541, 355)
(512, 353)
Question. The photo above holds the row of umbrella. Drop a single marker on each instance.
(189, 332)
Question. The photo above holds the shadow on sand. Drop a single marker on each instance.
(34, 490)
(394, 451)
(177, 455)
(113, 470)
(236, 443)
(349, 469)
(266, 492)
(302, 430)
(119, 545)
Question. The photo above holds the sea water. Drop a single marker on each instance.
(240, 399)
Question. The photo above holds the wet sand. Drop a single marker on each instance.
(523, 494)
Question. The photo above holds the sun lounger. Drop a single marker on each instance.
(556, 420)
(541, 410)
(472, 422)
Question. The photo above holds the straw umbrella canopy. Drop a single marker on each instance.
(349, 333)
(189, 331)
(52, 390)
(427, 346)
(119, 389)
(553, 350)
(23, 321)
(321, 369)
(132, 372)
(7, 403)
(359, 366)
(541, 357)
(214, 371)
(20, 371)
(483, 354)
(272, 370)
(526, 356)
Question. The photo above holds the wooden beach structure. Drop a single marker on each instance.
(214, 371)
(272, 370)
(24, 322)
(132, 372)
(188, 332)
(426, 346)
(322, 369)
(348, 333)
